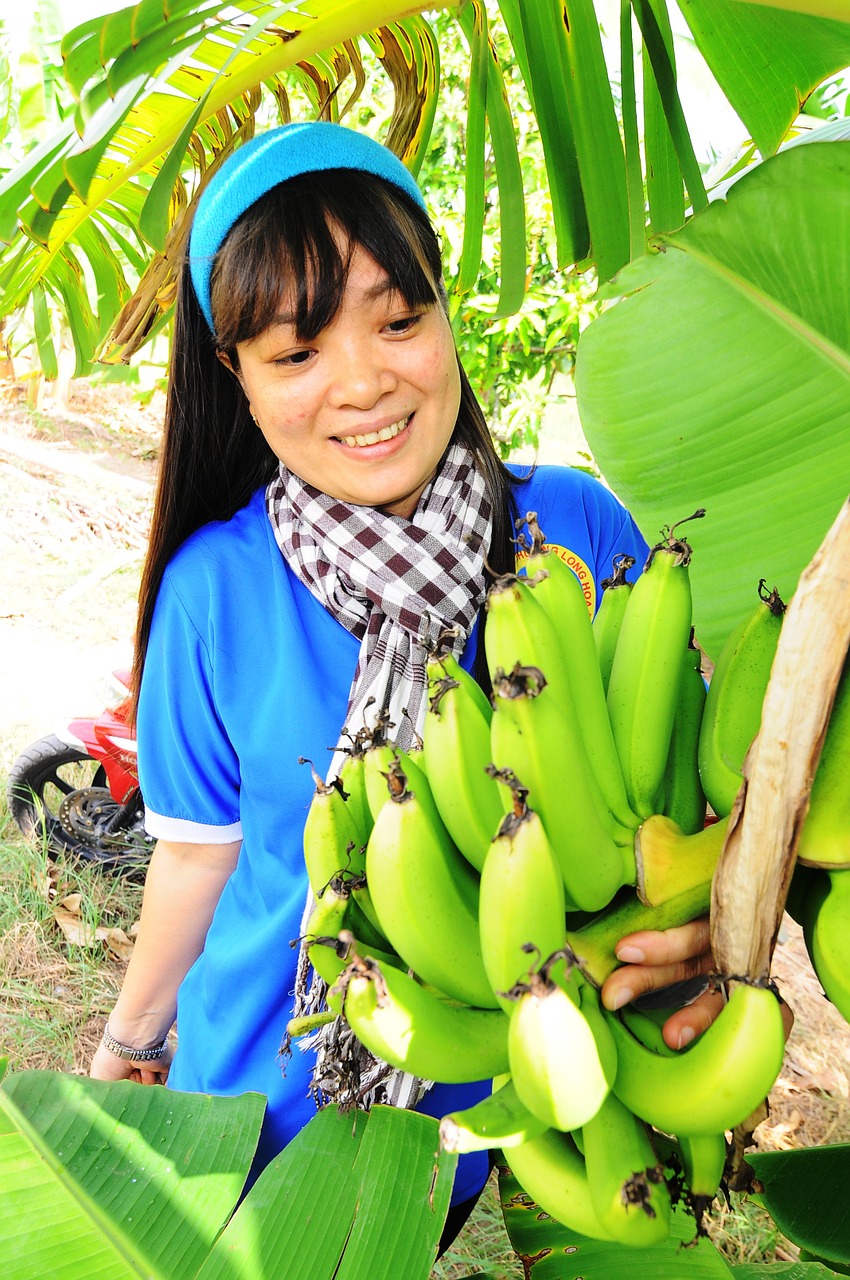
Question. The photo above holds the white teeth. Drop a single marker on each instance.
(373, 437)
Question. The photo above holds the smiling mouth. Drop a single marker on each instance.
(377, 437)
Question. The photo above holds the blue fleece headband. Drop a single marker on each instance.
(264, 162)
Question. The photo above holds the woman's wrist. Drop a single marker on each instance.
(132, 1053)
(142, 1032)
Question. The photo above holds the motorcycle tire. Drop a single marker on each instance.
(40, 781)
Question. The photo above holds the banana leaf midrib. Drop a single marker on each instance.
(832, 354)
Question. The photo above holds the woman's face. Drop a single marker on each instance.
(364, 411)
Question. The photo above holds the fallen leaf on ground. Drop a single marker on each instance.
(81, 933)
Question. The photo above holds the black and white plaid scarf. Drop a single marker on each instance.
(396, 584)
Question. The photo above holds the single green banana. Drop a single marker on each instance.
(801, 882)
(518, 631)
(703, 1158)
(826, 929)
(441, 665)
(627, 1186)
(683, 797)
(591, 1007)
(352, 777)
(457, 751)
(736, 692)
(362, 916)
(521, 900)
(825, 837)
(646, 674)
(333, 841)
(559, 591)
(425, 894)
(552, 1172)
(498, 1121)
(412, 1029)
(594, 943)
(531, 735)
(330, 935)
(325, 953)
(555, 1062)
(609, 615)
(722, 1078)
(647, 1027)
(378, 758)
(669, 863)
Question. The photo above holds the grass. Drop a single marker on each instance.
(482, 1244)
(55, 994)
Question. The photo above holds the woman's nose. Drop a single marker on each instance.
(361, 376)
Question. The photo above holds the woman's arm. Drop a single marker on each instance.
(183, 886)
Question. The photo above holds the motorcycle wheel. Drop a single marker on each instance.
(40, 783)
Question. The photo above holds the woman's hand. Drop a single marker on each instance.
(655, 959)
(108, 1066)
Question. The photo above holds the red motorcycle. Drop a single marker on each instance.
(77, 791)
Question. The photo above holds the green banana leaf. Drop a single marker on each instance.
(721, 379)
(114, 1179)
(550, 1251)
(138, 1181)
(805, 1194)
(767, 61)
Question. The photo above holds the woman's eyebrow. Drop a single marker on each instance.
(381, 289)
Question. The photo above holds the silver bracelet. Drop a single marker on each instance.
(129, 1054)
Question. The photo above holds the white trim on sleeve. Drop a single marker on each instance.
(186, 831)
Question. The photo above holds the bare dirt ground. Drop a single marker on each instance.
(75, 497)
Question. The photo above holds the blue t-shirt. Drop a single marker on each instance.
(245, 672)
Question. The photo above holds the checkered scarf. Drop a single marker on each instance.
(396, 584)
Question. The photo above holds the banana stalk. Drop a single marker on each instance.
(670, 863)
(593, 943)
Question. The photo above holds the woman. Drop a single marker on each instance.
(327, 482)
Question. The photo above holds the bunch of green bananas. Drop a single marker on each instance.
(471, 894)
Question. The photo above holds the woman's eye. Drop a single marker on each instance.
(294, 358)
(404, 325)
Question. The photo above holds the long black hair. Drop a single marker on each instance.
(213, 455)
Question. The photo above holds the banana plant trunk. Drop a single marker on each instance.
(759, 852)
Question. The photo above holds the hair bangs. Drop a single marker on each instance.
(291, 252)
